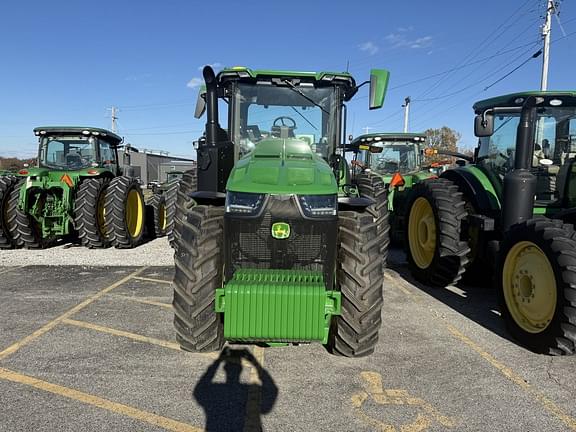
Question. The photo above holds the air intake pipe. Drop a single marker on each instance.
(216, 152)
(212, 124)
(520, 184)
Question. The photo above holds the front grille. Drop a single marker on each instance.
(311, 245)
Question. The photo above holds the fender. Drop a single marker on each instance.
(208, 197)
(354, 203)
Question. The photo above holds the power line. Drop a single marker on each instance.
(535, 55)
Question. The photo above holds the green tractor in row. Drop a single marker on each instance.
(511, 212)
(163, 204)
(77, 188)
(273, 243)
(395, 159)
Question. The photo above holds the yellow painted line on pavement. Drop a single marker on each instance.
(9, 269)
(142, 300)
(89, 399)
(164, 281)
(134, 336)
(549, 405)
(254, 397)
(508, 372)
(50, 325)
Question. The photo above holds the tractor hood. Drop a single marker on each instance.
(282, 166)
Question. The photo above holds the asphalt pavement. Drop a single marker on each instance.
(92, 349)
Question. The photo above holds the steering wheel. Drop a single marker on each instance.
(282, 121)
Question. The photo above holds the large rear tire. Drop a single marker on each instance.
(436, 253)
(22, 227)
(125, 212)
(186, 185)
(360, 276)
(89, 213)
(372, 186)
(6, 186)
(199, 262)
(536, 282)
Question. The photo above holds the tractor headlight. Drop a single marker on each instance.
(244, 203)
(318, 205)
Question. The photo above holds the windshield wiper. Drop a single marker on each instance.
(297, 90)
(304, 117)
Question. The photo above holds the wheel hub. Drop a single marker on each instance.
(529, 287)
(422, 233)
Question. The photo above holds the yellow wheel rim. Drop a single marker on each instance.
(529, 287)
(101, 214)
(134, 213)
(422, 233)
(162, 218)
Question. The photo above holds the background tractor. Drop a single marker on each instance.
(394, 160)
(163, 203)
(76, 187)
(273, 243)
(515, 201)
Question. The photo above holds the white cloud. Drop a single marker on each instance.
(195, 82)
(400, 40)
(215, 65)
(370, 47)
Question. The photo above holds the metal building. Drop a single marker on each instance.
(153, 166)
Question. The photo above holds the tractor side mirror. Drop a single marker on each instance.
(484, 125)
(200, 102)
(378, 86)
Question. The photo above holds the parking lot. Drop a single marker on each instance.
(92, 348)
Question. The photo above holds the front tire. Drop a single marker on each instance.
(183, 203)
(159, 215)
(199, 262)
(536, 282)
(372, 186)
(6, 187)
(436, 253)
(360, 276)
(125, 212)
(23, 228)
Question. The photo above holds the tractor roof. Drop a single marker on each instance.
(241, 73)
(387, 136)
(516, 99)
(78, 130)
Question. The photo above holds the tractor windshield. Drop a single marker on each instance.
(395, 157)
(554, 147)
(68, 152)
(301, 112)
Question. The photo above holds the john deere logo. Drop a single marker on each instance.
(280, 230)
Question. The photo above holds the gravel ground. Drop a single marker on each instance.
(154, 253)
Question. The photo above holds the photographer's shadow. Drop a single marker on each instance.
(232, 405)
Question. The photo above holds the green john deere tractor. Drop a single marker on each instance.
(515, 202)
(395, 161)
(273, 244)
(163, 203)
(78, 188)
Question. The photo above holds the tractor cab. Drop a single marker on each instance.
(551, 149)
(389, 153)
(77, 148)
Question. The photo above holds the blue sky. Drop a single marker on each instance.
(66, 62)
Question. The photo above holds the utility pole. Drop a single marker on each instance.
(366, 129)
(546, 30)
(406, 107)
(113, 111)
